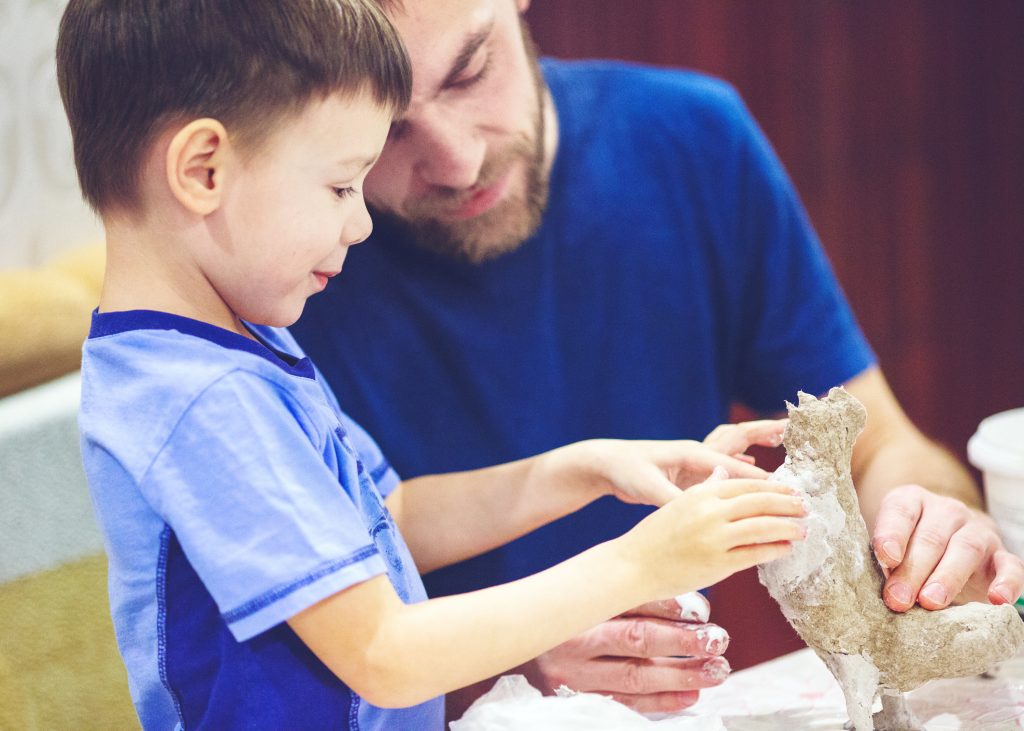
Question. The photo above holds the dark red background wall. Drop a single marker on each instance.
(902, 126)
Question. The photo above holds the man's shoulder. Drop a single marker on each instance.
(644, 89)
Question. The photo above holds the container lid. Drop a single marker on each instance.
(998, 445)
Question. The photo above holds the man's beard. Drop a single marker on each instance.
(507, 224)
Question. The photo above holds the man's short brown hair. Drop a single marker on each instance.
(128, 68)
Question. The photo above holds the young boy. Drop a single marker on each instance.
(257, 580)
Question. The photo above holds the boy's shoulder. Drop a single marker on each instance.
(163, 362)
(141, 377)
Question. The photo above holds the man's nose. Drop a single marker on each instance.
(451, 153)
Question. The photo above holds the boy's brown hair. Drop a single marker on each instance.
(128, 68)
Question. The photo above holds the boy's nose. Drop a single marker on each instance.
(359, 227)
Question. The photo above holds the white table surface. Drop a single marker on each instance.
(796, 692)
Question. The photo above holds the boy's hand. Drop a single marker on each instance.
(654, 472)
(711, 531)
(735, 439)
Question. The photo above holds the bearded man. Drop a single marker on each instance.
(567, 250)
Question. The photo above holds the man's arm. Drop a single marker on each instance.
(892, 451)
(924, 512)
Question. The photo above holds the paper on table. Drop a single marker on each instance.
(797, 691)
(792, 692)
(515, 705)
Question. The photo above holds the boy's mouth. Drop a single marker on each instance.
(323, 277)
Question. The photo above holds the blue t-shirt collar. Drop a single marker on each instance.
(112, 323)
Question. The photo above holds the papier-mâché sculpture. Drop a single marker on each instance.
(830, 586)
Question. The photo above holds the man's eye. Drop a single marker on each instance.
(397, 130)
(344, 192)
(476, 78)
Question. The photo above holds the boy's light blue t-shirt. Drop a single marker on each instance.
(232, 493)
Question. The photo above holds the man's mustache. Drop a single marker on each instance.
(445, 197)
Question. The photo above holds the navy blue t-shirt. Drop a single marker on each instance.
(675, 273)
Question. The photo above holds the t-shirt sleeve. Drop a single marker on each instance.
(799, 332)
(264, 521)
(381, 471)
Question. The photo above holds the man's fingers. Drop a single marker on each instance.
(712, 638)
(636, 677)
(926, 548)
(897, 518)
(627, 637)
(1008, 584)
(968, 551)
(692, 607)
(656, 702)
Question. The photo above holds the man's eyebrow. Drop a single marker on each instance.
(468, 50)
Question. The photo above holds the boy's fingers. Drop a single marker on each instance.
(738, 468)
(766, 503)
(767, 432)
(734, 488)
(658, 490)
(765, 529)
(747, 556)
(735, 438)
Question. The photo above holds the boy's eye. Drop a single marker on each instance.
(344, 192)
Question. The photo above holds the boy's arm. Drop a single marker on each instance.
(449, 518)
(395, 654)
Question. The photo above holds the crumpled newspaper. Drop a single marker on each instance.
(515, 705)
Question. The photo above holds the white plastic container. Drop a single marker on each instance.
(997, 449)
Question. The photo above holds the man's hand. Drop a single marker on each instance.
(654, 659)
(936, 550)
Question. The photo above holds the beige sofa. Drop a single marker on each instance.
(59, 665)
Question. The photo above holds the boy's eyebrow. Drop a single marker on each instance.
(469, 48)
(360, 162)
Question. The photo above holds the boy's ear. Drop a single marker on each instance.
(197, 164)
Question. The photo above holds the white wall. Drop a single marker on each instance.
(46, 517)
(41, 211)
